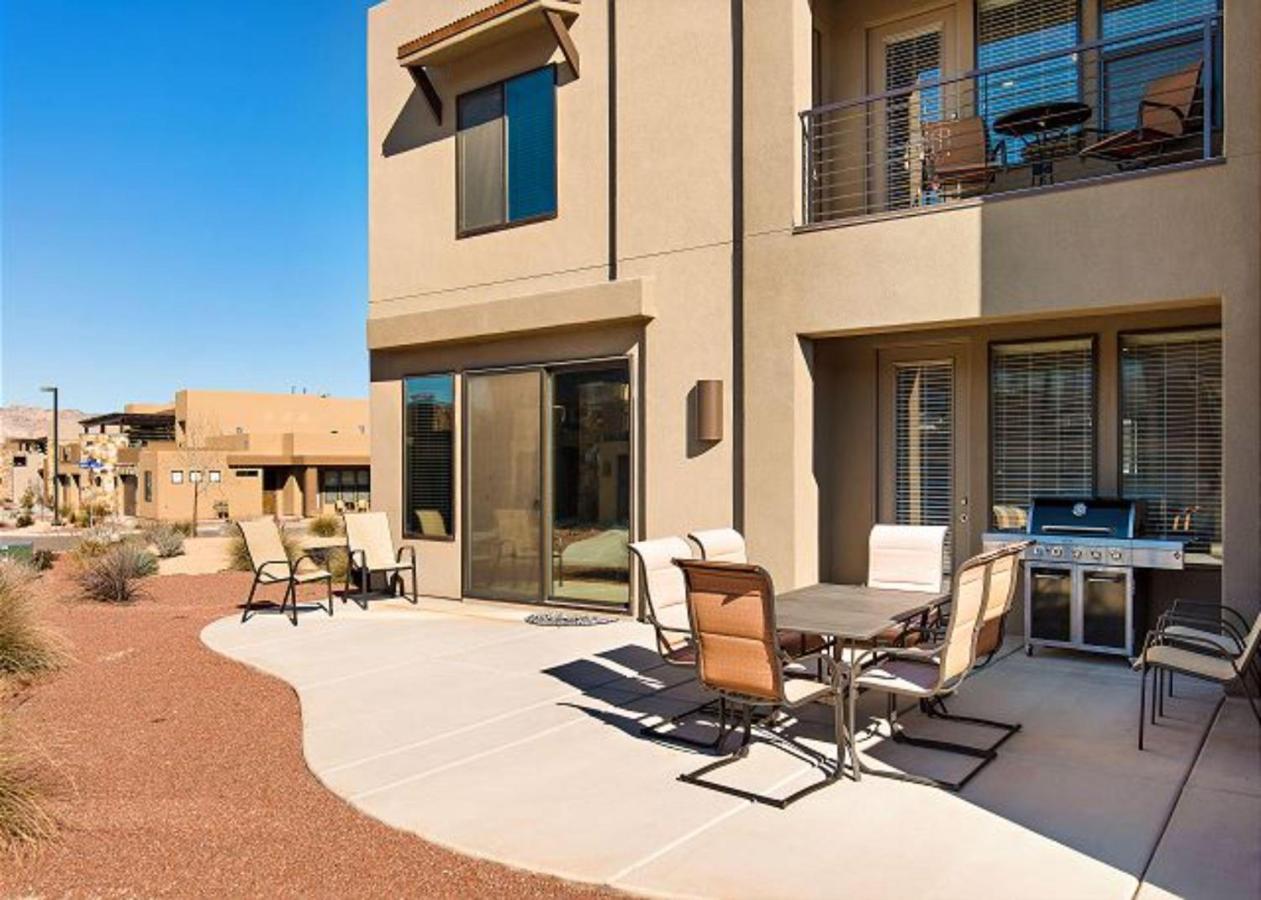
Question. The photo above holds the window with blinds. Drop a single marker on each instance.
(1171, 432)
(923, 445)
(1008, 31)
(1131, 66)
(506, 150)
(429, 456)
(1042, 425)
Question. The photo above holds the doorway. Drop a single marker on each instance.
(548, 484)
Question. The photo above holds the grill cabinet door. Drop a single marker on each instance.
(1050, 603)
(1105, 607)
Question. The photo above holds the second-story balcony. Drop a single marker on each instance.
(1133, 100)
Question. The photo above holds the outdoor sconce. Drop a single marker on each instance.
(709, 410)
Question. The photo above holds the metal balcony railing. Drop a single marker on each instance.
(1136, 101)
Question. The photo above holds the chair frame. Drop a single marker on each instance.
(290, 579)
(747, 705)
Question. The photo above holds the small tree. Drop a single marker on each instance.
(196, 458)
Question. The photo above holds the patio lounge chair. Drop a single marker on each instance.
(370, 549)
(1186, 654)
(271, 565)
(958, 157)
(732, 610)
(929, 673)
(1170, 113)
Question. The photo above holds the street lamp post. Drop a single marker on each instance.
(56, 454)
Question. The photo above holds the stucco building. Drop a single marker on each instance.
(245, 454)
(22, 469)
(941, 257)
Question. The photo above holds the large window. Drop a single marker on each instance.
(429, 456)
(1171, 432)
(1008, 31)
(923, 444)
(352, 488)
(506, 147)
(1042, 425)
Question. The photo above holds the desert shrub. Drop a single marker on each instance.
(42, 560)
(26, 647)
(239, 557)
(24, 818)
(113, 576)
(335, 563)
(184, 528)
(325, 526)
(96, 541)
(25, 520)
(167, 540)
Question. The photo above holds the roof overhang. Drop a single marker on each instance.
(483, 28)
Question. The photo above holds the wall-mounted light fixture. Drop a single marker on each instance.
(709, 410)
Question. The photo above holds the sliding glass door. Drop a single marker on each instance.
(548, 484)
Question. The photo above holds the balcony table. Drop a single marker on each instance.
(1040, 127)
(852, 614)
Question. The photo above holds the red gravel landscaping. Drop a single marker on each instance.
(180, 772)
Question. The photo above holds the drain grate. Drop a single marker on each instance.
(557, 619)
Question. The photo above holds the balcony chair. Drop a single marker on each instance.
(930, 673)
(727, 545)
(664, 593)
(1203, 658)
(1170, 113)
(958, 156)
(271, 565)
(370, 549)
(906, 558)
(732, 610)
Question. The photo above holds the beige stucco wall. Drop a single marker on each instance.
(231, 412)
(174, 502)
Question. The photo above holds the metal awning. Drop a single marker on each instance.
(487, 26)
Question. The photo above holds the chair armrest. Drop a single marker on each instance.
(1220, 608)
(1199, 645)
(362, 564)
(293, 565)
(1157, 104)
(259, 569)
(408, 548)
(1172, 618)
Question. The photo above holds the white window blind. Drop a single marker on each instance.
(1042, 428)
(1171, 432)
(924, 444)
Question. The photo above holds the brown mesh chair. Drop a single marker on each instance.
(928, 674)
(731, 607)
(1171, 111)
(958, 157)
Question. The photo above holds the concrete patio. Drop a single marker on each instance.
(521, 744)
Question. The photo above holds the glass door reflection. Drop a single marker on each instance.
(590, 484)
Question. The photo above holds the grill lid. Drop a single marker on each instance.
(1084, 517)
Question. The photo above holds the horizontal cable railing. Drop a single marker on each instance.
(1140, 100)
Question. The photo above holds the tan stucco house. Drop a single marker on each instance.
(245, 454)
(941, 258)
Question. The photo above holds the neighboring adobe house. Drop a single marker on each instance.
(21, 466)
(242, 453)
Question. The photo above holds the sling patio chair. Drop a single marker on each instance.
(731, 607)
(1001, 595)
(727, 545)
(929, 673)
(1169, 115)
(906, 558)
(1205, 622)
(958, 158)
(1205, 659)
(370, 549)
(271, 565)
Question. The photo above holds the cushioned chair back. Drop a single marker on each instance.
(369, 532)
(1172, 106)
(662, 583)
(721, 545)
(906, 557)
(1000, 593)
(263, 544)
(967, 603)
(431, 523)
(957, 142)
(732, 609)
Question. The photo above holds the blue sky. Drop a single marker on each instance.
(184, 197)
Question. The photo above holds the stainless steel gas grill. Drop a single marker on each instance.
(1079, 575)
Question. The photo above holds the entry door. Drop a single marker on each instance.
(902, 54)
(504, 485)
(922, 446)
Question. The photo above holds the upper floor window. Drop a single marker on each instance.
(506, 152)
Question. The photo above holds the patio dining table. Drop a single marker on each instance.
(852, 615)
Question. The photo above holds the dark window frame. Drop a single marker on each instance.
(461, 233)
(411, 530)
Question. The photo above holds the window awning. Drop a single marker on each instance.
(487, 26)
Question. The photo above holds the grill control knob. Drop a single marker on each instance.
(1057, 551)
(1076, 554)
(1096, 554)
(1116, 555)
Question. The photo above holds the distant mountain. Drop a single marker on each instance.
(31, 421)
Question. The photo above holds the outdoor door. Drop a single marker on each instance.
(924, 476)
(547, 484)
(901, 54)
